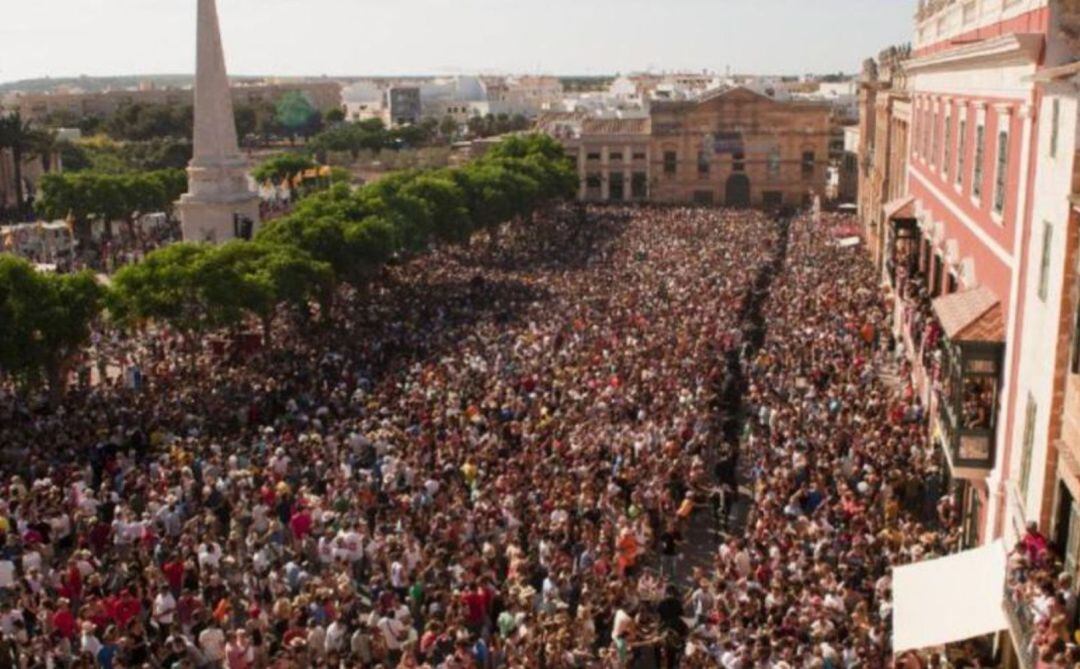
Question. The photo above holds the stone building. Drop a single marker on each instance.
(884, 123)
(739, 148)
(733, 147)
(612, 154)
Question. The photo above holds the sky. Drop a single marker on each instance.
(61, 38)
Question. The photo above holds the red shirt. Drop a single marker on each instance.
(63, 622)
(477, 603)
(300, 524)
(174, 574)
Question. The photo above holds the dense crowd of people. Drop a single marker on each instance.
(1040, 591)
(494, 456)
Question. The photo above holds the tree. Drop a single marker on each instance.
(352, 138)
(66, 308)
(164, 287)
(141, 122)
(296, 115)
(321, 238)
(74, 157)
(448, 127)
(247, 121)
(44, 321)
(282, 166)
(25, 142)
(445, 202)
(108, 197)
(335, 116)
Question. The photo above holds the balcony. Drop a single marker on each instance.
(1035, 602)
(967, 396)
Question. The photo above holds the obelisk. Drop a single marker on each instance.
(219, 200)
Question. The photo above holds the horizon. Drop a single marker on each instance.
(422, 75)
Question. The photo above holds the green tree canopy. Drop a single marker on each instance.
(282, 166)
(164, 287)
(108, 197)
(44, 320)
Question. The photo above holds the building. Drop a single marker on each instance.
(733, 147)
(323, 95)
(1043, 468)
(847, 171)
(972, 174)
(977, 235)
(526, 95)
(403, 105)
(612, 154)
(884, 126)
(739, 148)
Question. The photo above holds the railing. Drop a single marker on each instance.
(1021, 626)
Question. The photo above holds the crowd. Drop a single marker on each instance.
(493, 456)
(1039, 590)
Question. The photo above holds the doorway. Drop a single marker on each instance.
(737, 192)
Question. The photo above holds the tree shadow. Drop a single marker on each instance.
(566, 240)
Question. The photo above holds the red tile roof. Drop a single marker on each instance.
(616, 126)
(903, 207)
(971, 315)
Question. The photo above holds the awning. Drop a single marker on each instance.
(901, 207)
(949, 599)
(971, 315)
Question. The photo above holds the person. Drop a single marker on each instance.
(1033, 543)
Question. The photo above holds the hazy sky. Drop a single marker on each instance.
(335, 37)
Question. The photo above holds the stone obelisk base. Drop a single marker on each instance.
(215, 221)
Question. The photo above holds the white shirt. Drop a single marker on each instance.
(393, 632)
(212, 641)
(621, 625)
(7, 574)
(90, 643)
(164, 607)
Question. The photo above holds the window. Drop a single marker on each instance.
(593, 156)
(773, 162)
(738, 163)
(1001, 179)
(1044, 263)
(639, 155)
(1074, 367)
(947, 158)
(808, 164)
(671, 159)
(926, 134)
(961, 148)
(615, 155)
(592, 180)
(1029, 442)
(980, 148)
(616, 187)
(702, 163)
(639, 186)
(933, 138)
(1055, 119)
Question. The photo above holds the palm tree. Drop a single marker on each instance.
(25, 142)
